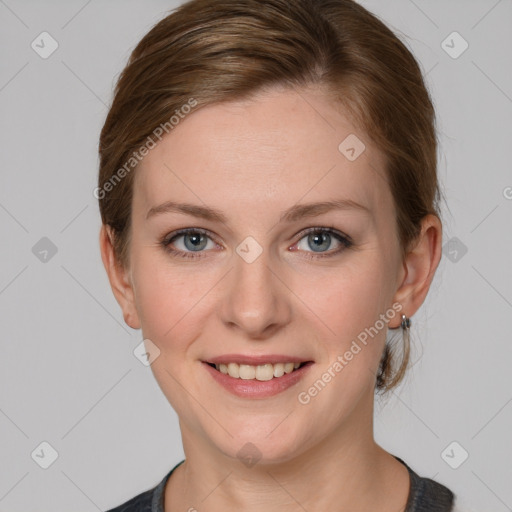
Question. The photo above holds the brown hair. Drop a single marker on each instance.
(210, 51)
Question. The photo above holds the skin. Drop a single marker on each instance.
(252, 160)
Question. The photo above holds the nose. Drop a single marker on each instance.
(256, 300)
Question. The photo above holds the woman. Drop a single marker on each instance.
(269, 200)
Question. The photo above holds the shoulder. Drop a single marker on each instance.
(431, 496)
(427, 495)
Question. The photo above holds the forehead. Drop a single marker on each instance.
(281, 147)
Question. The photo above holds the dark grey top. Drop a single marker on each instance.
(425, 495)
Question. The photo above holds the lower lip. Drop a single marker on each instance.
(252, 388)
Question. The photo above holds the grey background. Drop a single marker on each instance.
(68, 375)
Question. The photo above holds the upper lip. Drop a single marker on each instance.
(255, 360)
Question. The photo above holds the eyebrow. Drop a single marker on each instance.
(293, 214)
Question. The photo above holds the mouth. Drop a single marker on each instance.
(257, 375)
(260, 372)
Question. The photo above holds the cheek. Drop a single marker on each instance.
(353, 299)
(348, 309)
(353, 345)
(167, 297)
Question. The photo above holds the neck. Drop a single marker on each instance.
(346, 471)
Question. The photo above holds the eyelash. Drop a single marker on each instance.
(345, 241)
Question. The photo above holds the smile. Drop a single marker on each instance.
(261, 372)
(260, 380)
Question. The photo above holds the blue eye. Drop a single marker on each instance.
(195, 242)
(321, 238)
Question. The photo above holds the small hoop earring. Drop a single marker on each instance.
(406, 334)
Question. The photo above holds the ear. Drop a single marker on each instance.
(419, 267)
(119, 277)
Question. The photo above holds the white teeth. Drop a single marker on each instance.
(260, 372)
(234, 370)
(278, 370)
(247, 372)
(288, 367)
(264, 372)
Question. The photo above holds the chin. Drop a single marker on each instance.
(258, 447)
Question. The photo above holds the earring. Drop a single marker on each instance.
(406, 322)
(390, 381)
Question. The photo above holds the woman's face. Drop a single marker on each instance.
(256, 287)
